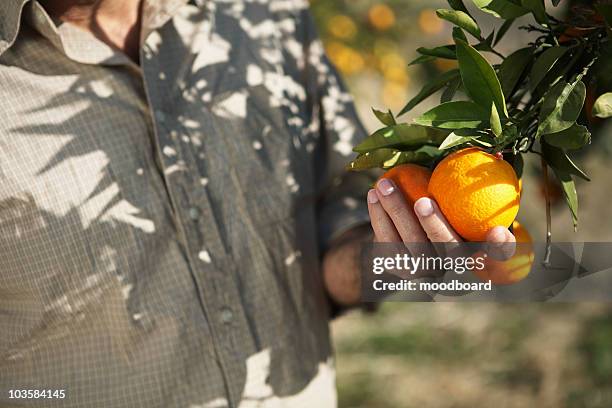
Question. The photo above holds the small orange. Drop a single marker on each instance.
(514, 269)
(476, 191)
(381, 17)
(429, 22)
(411, 179)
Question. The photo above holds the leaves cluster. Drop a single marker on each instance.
(531, 101)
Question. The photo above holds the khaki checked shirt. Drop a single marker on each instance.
(162, 224)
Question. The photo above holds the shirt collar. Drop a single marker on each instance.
(155, 14)
(10, 19)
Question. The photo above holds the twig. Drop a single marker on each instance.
(500, 55)
(546, 261)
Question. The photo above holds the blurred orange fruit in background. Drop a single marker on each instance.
(394, 95)
(341, 26)
(346, 59)
(381, 17)
(429, 23)
(444, 65)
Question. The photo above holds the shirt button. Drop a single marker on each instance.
(226, 315)
(194, 213)
(161, 117)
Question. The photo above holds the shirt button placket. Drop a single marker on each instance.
(226, 315)
(214, 301)
(160, 116)
(194, 213)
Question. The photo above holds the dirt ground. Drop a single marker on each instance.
(476, 355)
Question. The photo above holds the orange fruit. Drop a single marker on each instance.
(514, 269)
(381, 17)
(411, 179)
(429, 22)
(341, 26)
(476, 191)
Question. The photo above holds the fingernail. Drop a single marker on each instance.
(372, 197)
(385, 186)
(423, 207)
(497, 236)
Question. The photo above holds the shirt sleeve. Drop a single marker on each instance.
(341, 194)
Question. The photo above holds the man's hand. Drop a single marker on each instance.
(341, 273)
(394, 221)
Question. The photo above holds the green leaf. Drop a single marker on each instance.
(508, 135)
(558, 159)
(571, 138)
(445, 51)
(571, 61)
(460, 19)
(486, 44)
(565, 178)
(405, 136)
(512, 69)
(544, 63)
(517, 163)
(489, 40)
(561, 107)
(603, 106)
(455, 115)
(505, 9)
(483, 141)
(385, 117)
(495, 122)
(386, 158)
(430, 88)
(503, 30)
(459, 6)
(451, 89)
(422, 59)
(569, 193)
(537, 8)
(458, 33)
(458, 137)
(479, 79)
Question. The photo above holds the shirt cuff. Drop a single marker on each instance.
(340, 217)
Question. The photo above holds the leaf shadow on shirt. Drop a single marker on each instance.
(270, 361)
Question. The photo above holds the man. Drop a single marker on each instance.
(175, 221)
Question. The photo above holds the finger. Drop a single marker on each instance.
(384, 230)
(405, 222)
(501, 244)
(433, 221)
(402, 216)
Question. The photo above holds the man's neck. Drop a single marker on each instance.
(115, 22)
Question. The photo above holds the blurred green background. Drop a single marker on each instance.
(464, 355)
